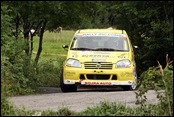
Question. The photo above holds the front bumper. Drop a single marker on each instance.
(98, 82)
(79, 76)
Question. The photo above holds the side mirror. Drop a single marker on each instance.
(135, 47)
(64, 46)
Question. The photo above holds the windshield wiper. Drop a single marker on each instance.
(81, 49)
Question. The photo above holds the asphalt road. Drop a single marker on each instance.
(53, 99)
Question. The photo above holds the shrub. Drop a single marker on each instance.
(161, 80)
(48, 72)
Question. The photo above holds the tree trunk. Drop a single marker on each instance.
(26, 37)
(40, 42)
(31, 44)
(17, 26)
(165, 11)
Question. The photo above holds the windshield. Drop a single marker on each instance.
(100, 42)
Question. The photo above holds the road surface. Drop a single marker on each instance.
(53, 99)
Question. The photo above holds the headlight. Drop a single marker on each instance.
(123, 64)
(73, 63)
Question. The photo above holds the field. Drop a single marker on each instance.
(52, 57)
(52, 44)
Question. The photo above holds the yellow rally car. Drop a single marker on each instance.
(99, 57)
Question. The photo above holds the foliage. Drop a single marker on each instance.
(61, 112)
(48, 72)
(161, 80)
(13, 69)
(149, 25)
(13, 57)
(6, 108)
(118, 109)
(105, 108)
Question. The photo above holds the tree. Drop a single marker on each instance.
(149, 25)
(32, 15)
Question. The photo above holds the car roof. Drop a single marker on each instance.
(108, 30)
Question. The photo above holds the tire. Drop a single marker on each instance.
(66, 88)
(131, 87)
(127, 88)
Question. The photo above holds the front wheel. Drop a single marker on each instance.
(66, 88)
(131, 87)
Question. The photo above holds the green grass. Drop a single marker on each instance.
(104, 108)
(52, 56)
(52, 43)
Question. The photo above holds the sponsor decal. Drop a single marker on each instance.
(100, 52)
(121, 57)
(77, 36)
(74, 55)
(96, 56)
(124, 36)
(126, 74)
(70, 73)
(98, 60)
(97, 83)
(123, 54)
(86, 53)
(80, 80)
(104, 34)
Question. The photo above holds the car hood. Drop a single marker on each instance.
(98, 56)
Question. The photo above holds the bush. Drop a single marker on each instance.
(6, 108)
(48, 72)
(161, 80)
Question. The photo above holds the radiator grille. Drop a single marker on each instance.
(98, 65)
